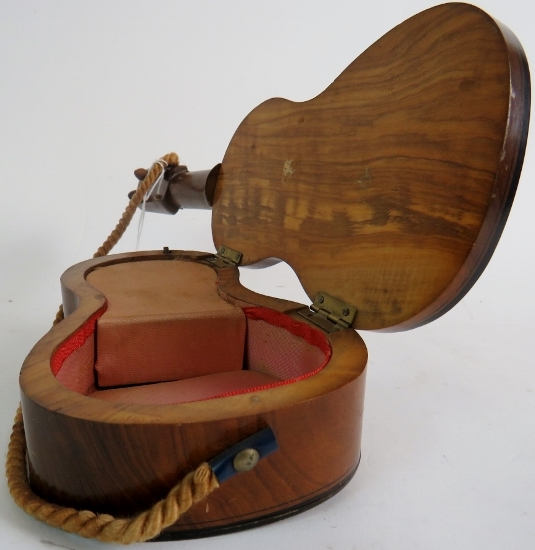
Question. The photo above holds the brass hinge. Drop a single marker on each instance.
(329, 313)
(226, 257)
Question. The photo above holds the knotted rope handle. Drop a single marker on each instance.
(146, 525)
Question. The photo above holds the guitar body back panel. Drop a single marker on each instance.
(391, 188)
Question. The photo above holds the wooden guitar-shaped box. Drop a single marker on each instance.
(386, 194)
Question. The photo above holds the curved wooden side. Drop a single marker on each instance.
(120, 459)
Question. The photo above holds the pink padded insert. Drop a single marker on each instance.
(278, 349)
(191, 389)
(165, 321)
(275, 351)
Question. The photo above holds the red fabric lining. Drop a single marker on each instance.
(302, 330)
(74, 341)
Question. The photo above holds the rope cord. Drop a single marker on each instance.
(145, 526)
(113, 238)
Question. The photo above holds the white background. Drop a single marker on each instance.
(90, 91)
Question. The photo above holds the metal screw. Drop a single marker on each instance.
(321, 299)
(246, 460)
(223, 250)
(345, 312)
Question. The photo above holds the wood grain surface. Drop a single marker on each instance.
(390, 189)
(122, 458)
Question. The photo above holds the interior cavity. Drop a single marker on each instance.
(167, 336)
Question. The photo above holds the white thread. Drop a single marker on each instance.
(146, 196)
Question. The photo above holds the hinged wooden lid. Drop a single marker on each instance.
(390, 189)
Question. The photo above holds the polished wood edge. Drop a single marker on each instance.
(292, 510)
(39, 384)
(502, 196)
